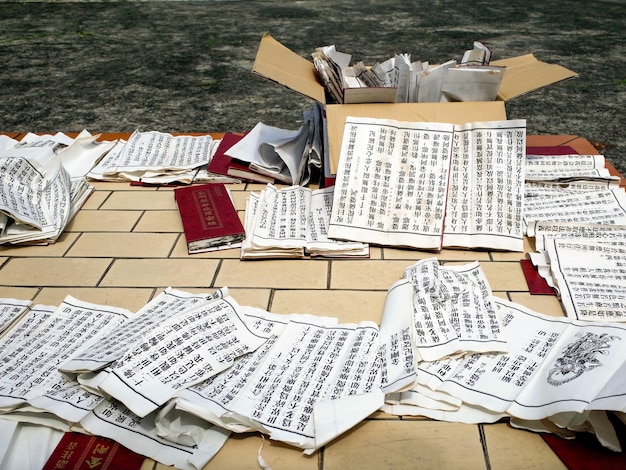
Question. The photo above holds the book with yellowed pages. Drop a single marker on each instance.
(210, 220)
(293, 222)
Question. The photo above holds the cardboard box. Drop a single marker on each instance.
(524, 74)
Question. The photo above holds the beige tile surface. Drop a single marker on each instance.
(57, 249)
(365, 275)
(159, 221)
(132, 299)
(124, 245)
(104, 221)
(515, 449)
(140, 200)
(406, 444)
(162, 273)
(21, 293)
(53, 271)
(96, 199)
(347, 305)
(279, 274)
(505, 276)
(548, 304)
(241, 453)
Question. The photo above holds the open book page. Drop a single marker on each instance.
(281, 218)
(150, 151)
(613, 393)
(18, 440)
(11, 310)
(211, 399)
(180, 351)
(292, 222)
(453, 311)
(572, 189)
(118, 341)
(28, 321)
(47, 341)
(590, 277)
(155, 157)
(83, 153)
(113, 420)
(324, 397)
(26, 171)
(575, 372)
(554, 365)
(104, 169)
(494, 381)
(464, 413)
(602, 206)
(44, 194)
(254, 207)
(567, 168)
(544, 230)
(392, 183)
(396, 341)
(486, 195)
(6, 143)
(318, 243)
(307, 364)
(272, 151)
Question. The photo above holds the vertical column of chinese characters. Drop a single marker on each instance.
(482, 209)
(399, 178)
(302, 206)
(293, 220)
(515, 170)
(343, 181)
(384, 171)
(411, 156)
(502, 187)
(463, 179)
(374, 167)
(358, 372)
(441, 156)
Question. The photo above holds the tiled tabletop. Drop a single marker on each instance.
(126, 245)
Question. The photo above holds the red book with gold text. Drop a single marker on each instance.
(210, 220)
(78, 451)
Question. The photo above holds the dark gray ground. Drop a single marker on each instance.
(185, 66)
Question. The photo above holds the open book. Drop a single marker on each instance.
(287, 156)
(42, 185)
(431, 185)
(292, 223)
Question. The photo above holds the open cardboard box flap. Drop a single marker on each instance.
(280, 64)
(523, 74)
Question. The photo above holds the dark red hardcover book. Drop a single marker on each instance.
(242, 170)
(78, 451)
(220, 161)
(224, 164)
(210, 220)
(559, 150)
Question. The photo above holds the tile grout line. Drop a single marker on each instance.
(483, 443)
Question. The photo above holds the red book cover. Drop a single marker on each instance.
(224, 164)
(220, 161)
(210, 220)
(78, 451)
(560, 150)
